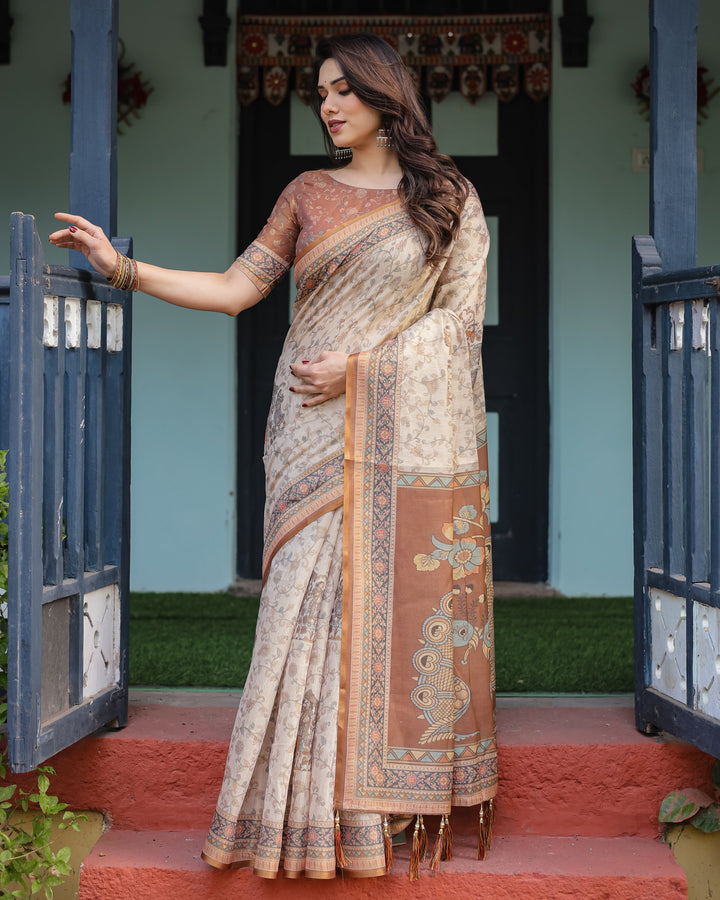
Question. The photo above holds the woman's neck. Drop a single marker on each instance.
(371, 168)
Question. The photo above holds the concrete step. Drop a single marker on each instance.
(564, 770)
(154, 865)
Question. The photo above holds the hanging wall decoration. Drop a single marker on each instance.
(133, 90)
(471, 54)
(705, 91)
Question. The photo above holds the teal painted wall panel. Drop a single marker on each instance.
(596, 204)
(176, 176)
(35, 166)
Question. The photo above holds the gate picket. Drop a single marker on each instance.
(676, 385)
(69, 503)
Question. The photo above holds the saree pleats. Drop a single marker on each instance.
(276, 803)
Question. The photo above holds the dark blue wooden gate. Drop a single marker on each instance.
(676, 390)
(69, 476)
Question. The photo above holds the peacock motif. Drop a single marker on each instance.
(460, 621)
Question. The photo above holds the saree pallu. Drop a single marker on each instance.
(371, 689)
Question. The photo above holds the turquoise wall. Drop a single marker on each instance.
(176, 175)
(177, 197)
(597, 204)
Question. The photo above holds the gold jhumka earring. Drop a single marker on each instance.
(383, 139)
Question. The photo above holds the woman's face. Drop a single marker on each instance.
(350, 122)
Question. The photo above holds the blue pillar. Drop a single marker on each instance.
(673, 128)
(93, 153)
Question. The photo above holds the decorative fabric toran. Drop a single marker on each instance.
(496, 53)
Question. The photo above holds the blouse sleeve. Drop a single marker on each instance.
(272, 252)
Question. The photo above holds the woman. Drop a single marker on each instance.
(370, 695)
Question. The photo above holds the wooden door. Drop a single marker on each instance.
(513, 188)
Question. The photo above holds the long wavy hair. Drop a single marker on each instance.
(432, 189)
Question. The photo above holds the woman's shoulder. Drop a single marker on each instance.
(307, 186)
(310, 178)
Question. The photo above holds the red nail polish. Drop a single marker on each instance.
(306, 362)
(292, 389)
(304, 404)
(72, 229)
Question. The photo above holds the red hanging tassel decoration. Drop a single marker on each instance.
(387, 840)
(485, 827)
(415, 854)
(439, 847)
(339, 855)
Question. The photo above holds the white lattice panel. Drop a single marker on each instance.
(668, 619)
(101, 640)
(706, 676)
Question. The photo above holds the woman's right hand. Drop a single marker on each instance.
(89, 239)
(229, 292)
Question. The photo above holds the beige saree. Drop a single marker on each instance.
(371, 690)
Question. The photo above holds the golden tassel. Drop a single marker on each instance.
(485, 827)
(387, 840)
(423, 840)
(415, 854)
(439, 846)
(481, 832)
(490, 822)
(448, 840)
(339, 855)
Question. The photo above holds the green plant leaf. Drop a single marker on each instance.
(682, 805)
(708, 819)
(48, 804)
(63, 854)
(7, 792)
(43, 783)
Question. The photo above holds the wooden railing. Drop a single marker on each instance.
(676, 389)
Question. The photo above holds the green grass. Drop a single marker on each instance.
(549, 644)
(564, 644)
(196, 640)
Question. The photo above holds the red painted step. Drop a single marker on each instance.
(127, 865)
(577, 807)
(564, 770)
